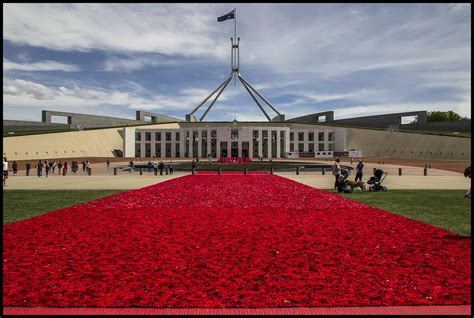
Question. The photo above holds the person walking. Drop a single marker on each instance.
(155, 165)
(132, 166)
(467, 174)
(359, 171)
(161, 166)
(336, 171)
(60, 166)
(171, 167)
(83, 166)
(39, 168)
(28, 167)
(46, 168)
(149, 166)
(15, 168)
(54, 166)
(108, 163)
(5, 171)
(65, 168)
(193, 165)
(87, 166)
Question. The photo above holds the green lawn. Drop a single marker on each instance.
(25, 204)
(447, 209)
(443, 208)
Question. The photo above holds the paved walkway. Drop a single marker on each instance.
(127, 181)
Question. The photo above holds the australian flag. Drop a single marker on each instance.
(230, 15)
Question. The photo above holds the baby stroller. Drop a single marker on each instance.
(376, 181)
(343, 183)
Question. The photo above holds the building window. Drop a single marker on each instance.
(311, 136)
(292, 136)
(300, 136)
(177, 136)
(148, 136)
(158, 136)
(321, 147)
(234, 134)
(138, 136)
(321, 136)
(137, 150)
(168, 136)
(331, 147)
(331, 136)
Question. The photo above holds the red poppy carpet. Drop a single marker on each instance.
(231, 241)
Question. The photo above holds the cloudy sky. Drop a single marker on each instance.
(355, 59)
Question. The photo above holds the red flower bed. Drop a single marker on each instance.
(231, 241)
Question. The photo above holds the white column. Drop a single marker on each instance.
(251, 145)
(229, 148)
(218, 148)
(153, 146)
(208, 142)
(191, 142)
(239, 148)
(199, 143)
(163, 144)
(287, 140)
(142, 144)
(260, 143)
(173, 144)
(305, 140)
(278, 144)
(182, 143)
(269, 143)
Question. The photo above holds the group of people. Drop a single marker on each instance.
(161, 166)
(336, 171)
(47, 167)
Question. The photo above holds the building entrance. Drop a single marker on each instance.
(234, 150)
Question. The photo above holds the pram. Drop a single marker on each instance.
(343, 183)
(376, 181)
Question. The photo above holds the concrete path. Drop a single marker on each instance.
(127, 181)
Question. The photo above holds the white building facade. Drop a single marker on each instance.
(235, 139)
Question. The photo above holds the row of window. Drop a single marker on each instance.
(234, 135)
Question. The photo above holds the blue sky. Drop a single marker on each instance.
(355, 59)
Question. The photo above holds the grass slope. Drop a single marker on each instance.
(25, 204)
(442, 208)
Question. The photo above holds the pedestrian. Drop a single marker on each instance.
(336, 171)
(359, 171)
(74, 167)
(171, 167)
(28, 167)
(167, 169)
(15, 168)
(87, 166)
(132, 166)
(193, 165)
(39, 168)
(65, 168)
(60, 166)
(83, 166)
(161, 166)
(155, 165)
(5, 171)
(54, 166)
(46, 168)
(108, 163)
(467, 174)
(149, 166)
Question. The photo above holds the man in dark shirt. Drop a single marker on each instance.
(28, 167)
(359, 171)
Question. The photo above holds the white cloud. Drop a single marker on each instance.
(39, 66)
(155, 28)
(135, 63)
(28, 89)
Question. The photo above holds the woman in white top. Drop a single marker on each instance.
(5, 170)
(336, 171)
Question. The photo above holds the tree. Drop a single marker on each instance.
(443, 116)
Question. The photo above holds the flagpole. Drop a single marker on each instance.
(235, 37)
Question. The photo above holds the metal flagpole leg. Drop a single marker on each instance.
(195, 109)
(268, 103)
(248, 90)
(215, 99)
